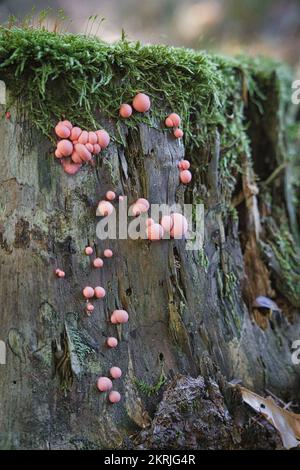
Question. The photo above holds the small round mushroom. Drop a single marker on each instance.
(114, 396)
(178, 133)
(83, 152)
(167, 223)
(97, 149)
(88, 292)
(98, 263)
(83, 138)
(103, 138)
(60, 273)
(112, 342)
(113, 319)
(104, 384)
(184, 165)
(180, 226)
(121, 316)
(65, 147)
(76, 157)
(169, 122)
(89, 250)
(108, 253)
(92, 139)
(58, 154)
(90, 307)
(62, 131)
(141, 103)
(99, 292)
(175, 118)
(110, 195)
(75, 133)
(90, 147)
(137, 209)
(115, 372)
(125, 110)
(105, 208)
(185, 176)
(69, 167)
(68, 124)
(155, 232)
(144, 202)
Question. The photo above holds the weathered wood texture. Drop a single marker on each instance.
(179, 306)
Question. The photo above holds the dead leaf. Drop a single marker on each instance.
(286, 422)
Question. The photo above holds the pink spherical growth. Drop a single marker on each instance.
(175, 119)
(69, 167)
(99, 292)
(141, 103)
(108, 253)
(58, 154)
(98, 263)
(121, 316)
(112, 342)
(137, 209)
(104, 384)
(90, 307)
(110, 195)
(125, 110)
(93, 139)
(83, 138)
(8, 115)
(178, 133)
(76, 157)
(144, 202)
(90, 147)
(113, 319)
(114, 396)
(115, 372)
(88, 292)
(83, 152)
(185, 176)
(75, 133)
(65, 147)
(62, 131)
(149, 222)
(155, 232)
(88, 250)
(167, 223)
(96, 149)
(60, 273)
(104, 208)
(180, 226)
(103, 138)
(169, 122)
(184, 165)
(68, 124)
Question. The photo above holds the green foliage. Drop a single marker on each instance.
(59, 75)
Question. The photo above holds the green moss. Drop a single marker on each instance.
(75, 76)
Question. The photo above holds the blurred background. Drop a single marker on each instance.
(268, 27)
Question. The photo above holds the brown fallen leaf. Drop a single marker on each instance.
(286, 422)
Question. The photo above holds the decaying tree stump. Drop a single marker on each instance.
(182, 304)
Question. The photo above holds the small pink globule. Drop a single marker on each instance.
(104, 209)
(108, 253)
(180, 226)
(104, 384)
(90, 307)
(103, 138)
(185, 176)
(96, 149)
(169, 122)
(115, 372)
(70, 168)
(60, 273)
(99, 292)
(166, 223)
(89, 147)
(75, 133)
(125, 110)
(175, 119)
(114, 396)
(184, 165)
(144, 202)
(76, 158)
(83, 138)
(178, 133)
(98, 263)
(110, 195)
(68, 124)
(112, 342)
(58, 154)
(8, 115)
(155, 232)
(83, 152)
(141, 103)
(88, 250)
(88, 292)
(137, 209)
(121, 316)
(92, 138)
(65, 147)
(62, 131)
(113, 319)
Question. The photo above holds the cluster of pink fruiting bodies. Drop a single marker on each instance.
(77, 147)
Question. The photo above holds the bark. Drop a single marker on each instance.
(182, 304)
